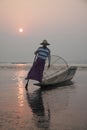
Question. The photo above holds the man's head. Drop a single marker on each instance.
(44, 43)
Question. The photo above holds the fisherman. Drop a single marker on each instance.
(36, 71)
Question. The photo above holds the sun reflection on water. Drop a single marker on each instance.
(20, 91)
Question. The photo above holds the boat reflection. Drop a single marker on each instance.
(41, 116)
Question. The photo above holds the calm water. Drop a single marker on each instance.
(60, 108)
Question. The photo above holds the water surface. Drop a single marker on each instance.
(62, 108)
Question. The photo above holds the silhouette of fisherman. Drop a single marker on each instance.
(36, 71)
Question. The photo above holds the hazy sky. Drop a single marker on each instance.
(62, 22)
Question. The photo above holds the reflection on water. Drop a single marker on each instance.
(57, 108)
(20, 92)
(41, 117)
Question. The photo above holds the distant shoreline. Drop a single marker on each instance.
(28, 64)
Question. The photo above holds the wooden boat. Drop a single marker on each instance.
(60, 72)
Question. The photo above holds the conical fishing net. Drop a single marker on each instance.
(57, 66)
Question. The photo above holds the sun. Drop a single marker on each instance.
(20, 30)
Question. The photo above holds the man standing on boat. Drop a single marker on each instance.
(36, 71)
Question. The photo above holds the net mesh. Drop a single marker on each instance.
(58, 65)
